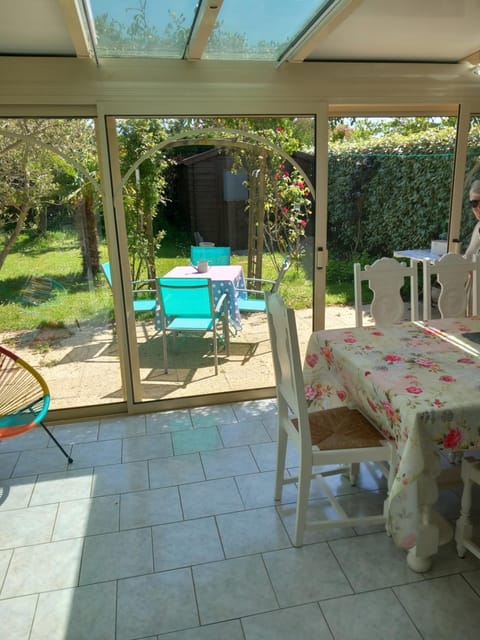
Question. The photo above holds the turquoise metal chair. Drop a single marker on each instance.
(215, 256)
(252, 300)
(144, 299)
(187, 304)
(24, 398)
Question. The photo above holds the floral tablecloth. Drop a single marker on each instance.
(418, 382)
(225, 279)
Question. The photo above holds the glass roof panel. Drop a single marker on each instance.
(260, 29)
(246, 30)
(142, 28)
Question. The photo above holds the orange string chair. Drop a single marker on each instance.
(24, 398)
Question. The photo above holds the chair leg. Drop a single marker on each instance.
(281, 455)
(463, 528)
(353, 473)
(304, 478)
(70, 460)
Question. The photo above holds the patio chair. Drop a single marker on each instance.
(385, 278)
(459, 281)
(24, 398)
(187, 305)
(215, 256)
(464, 529)
(253, 300)
(338, 436)
(144, 299)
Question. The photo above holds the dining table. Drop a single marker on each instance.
(228, 279)
(419, 384)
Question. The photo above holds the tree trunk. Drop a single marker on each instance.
(15, 233)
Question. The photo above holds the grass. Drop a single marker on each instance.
(57, 255)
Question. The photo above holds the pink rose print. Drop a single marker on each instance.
(452, 439)
(389, 410)
(409, 541)
(414, 390)
(349, 340)
(410, 376)
(392, 358)
(327, 354)
(341, 395)
(310, 393)
(424, 362)
(466, 361)
(377, 333)
(371, 404)
(438, 403)
(447, 379)
(311, 359)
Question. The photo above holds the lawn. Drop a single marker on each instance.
(56, 255)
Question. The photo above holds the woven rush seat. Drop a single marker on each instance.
(341, 428)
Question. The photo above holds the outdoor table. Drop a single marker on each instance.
(417, 255)
(225, 279)
(418, 382)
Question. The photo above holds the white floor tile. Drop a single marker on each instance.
(62, 486)
(305, 622)
(120, 478)
(180, 469)
(155, 604)
(241, 433)
(16, 615)
(117, 555)
(305, 575)
(89, 517)
(443, 608)
(186, 543)
(228, 462)
(147, 508)
(210, 498)
(232, 588)
(254, 531)
(374, 615)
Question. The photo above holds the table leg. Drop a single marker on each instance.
(433, 530)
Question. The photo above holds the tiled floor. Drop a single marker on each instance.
(164, 528)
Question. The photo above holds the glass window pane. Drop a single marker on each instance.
(56, 304)
(153, 29)
(260, 30)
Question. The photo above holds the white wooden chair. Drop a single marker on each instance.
(464, 529)
(338, 436)
(459, 281)
(386, 277)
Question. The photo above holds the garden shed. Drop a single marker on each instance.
(213, 198)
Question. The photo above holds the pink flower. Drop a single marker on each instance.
(310, 393)
(447, 379)
(301, 184)
(424, 362)
(392, 358)
(327, 354)
(303, 223)
(279, 130)
(371, 404)
(438, 403)
(377, 333)
(341, 395)
(452, 439)
(466, 361)
(311, 359)
(389, 410)
(285, 209)
(414, 390)
(349, 340)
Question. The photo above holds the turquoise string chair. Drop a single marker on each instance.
(187, 304)
(215, 256)
(253, 300)
(24, 398)
(144, 299)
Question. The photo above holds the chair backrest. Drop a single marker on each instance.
(385, 278)
(186, 297)
(216, 256)
(107, 272)
(283, 270)
(24, 395)
(458, 278)
(287, 362)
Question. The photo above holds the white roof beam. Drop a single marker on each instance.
(319, 30)
(80, 25)
(204, 22)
